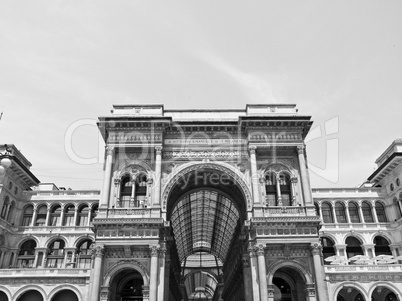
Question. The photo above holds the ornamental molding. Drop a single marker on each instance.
(204, 154)
(184, 169)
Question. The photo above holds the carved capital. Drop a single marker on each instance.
(154, 250)
(315, 248)
(259, 249)
(98, 251)
(109, 150)
(252, 149)
(158, 150)
(245, 261)
(300, 149)
(293, 179)
(116, 181)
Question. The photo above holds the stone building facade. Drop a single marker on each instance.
(201, 205)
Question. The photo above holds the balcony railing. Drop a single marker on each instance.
(363, 268)
(43, 272)
(284, 211)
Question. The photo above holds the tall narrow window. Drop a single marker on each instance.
(41, 216)
(381, 246)
(340, 213)
(327, 213)
(327, 248)
(270, 188)
(284, 181)
(83, 215)
(84, 253)
(4, 209)
(55, 215)
(26, 254)
(126, 188)
(140, 191)
(367, 213)
(94, 212)
(353, 212)
(379, 209)
(353, 247)
(69, 212)
(55, 254)
(27, 217)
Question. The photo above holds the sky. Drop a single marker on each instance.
(64, 63)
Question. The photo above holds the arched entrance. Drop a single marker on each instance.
(206, 207)
(65, 295)
(127, 285)
(289, 285)
(3, 296)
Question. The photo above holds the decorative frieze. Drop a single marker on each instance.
(204, 154)
(360, 277)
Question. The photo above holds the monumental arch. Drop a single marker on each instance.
(206, 205)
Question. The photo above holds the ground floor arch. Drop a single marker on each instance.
(127, 285)
(384, 292)
(30, 295)
(3, 296)
(65, 295)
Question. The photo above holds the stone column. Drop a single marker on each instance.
(293, 182)
(374, 212)
(167, 278)
(104, 202)
(248, 290)
(158, 175)
(89, 214)
(262, 274)
(153, 285)
(75, 214)
(368, 250)
(117, 193)
(132, 196)
(334, 213)
(162, 266)
(1, 258)
(98, 252)
(47, 216)
(254, 174)
(308, 198)
(347, 213)
(34, 216)
(318, 271)
(320, 211)
(278, 190)
(340, 250)
(60, 223)
(254, 274)
(360, 210)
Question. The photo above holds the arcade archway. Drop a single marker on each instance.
(206, 208)
(127, 285)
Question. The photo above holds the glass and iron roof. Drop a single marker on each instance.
(204, 220)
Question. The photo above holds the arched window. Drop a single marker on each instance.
(327, 248)
(327, 213)
(381, 246)
(270, 188)
(379, 209)
(354, 212)
(84, 253)
(94, 212)
(55, 216)
(10, 211)
(340, 212)
(317, 210)
(353, 247)
(83, 215)
(367, 213)
(4, 209)
(69, 212)
(41, 216)
(26, 254)
(285, 187)
(126, 188)
(27, 217)
(398, 212)
(140, 191)
(55, 255)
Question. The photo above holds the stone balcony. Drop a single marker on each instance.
(363, 268)
(43, 272)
